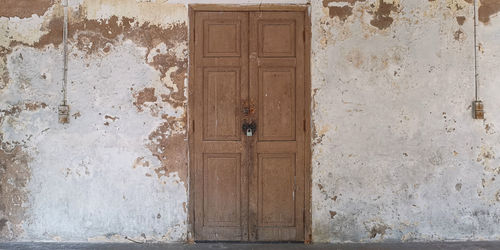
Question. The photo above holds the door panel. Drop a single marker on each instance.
(220, 155)
(276, 37)
(222, 37)
(248, 67)
(221, 185)
(276, 190)
(276, 103)
(222, 104)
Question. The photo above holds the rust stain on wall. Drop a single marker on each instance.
(14, 176)
(487, 9)
(382, 16)
(24, 8)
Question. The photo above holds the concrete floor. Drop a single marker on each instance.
(242, 246)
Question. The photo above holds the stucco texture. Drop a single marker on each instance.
(396, 153)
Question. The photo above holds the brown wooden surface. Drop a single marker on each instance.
(307, 129)
(221, 82)
(247, 8)
(248, 188)
(277, 86)
(190, 205)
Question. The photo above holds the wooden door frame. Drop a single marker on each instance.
(192, 9)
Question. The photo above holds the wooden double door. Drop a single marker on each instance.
(248, 126)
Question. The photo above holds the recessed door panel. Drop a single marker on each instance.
(276, 38)
(222, 190)
(276, 103)
(222, 38)
(276, 190)
(222, 104)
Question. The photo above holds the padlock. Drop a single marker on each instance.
(249, 128)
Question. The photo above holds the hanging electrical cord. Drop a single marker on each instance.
(475, 54)
(64, 108)
(478, 111)
(65, 42)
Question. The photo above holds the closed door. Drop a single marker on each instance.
(249, 126)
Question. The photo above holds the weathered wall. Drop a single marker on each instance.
(396, 155)
(119, 168)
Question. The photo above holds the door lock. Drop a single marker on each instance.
(249, 128)
(248, 108)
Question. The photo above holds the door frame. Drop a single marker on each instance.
(192, 9)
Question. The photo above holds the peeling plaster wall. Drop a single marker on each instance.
(396, 155)
(120, 167)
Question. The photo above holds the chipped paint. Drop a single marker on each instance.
(24, 8)
(487, 9)
(382, 15)
(119, 137)
(396, 155)
(461, 20)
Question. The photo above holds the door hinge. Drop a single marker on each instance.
(304, 124)
(193, 126)
(304, 35)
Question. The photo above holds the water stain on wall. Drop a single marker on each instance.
(14, 176)
(24, 8)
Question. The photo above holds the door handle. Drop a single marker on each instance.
(249, 128)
